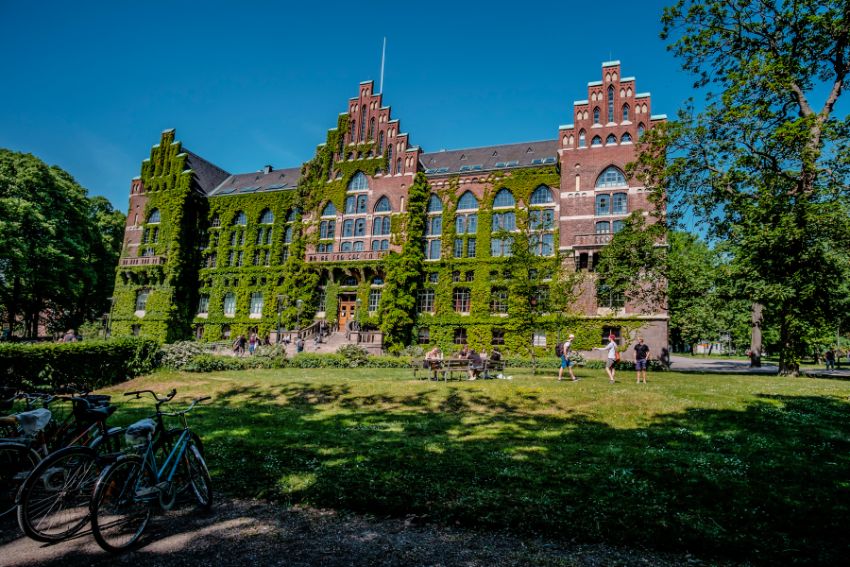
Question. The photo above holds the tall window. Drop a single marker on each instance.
(470, 248)
(460, 336)
(154, 217)
(142, 299)
(611, 177)
(542, 219)
(640, 131)
(458, 248)
(619, 203)
(504, 198)
(462, 296)
(381, 143)
(611, 103)
(618, 225)
(241, 219)
(347, 228)
(499, 300)
(361, 204)
(267, 217)
(371, 128)
(603, 205)
(581, 139)
(383, 205)
(435, 205)
(423, 336)
(256, 303)
(501, 246)
(542, 196)
(229, 304)
(359, 182)
(626, 113)
(374, 299)
(432, 250)
(363, 124)
(466, 224)
(327, 229)
(503, 221)
(360, 227)
(425, 301)
(596, 115)
(434, 226)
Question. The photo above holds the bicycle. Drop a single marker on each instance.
(130, 488)
(53, 501)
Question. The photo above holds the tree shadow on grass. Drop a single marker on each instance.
(768, 483)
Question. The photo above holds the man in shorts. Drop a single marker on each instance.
(565, 360)
(641, 359)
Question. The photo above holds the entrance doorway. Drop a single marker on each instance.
(347, 308)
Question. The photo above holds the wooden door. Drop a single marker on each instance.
(347, 307)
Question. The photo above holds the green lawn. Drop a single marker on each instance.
(729, 466)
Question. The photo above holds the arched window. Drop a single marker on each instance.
(541, 196)
(390, 156)
(363, 124)
(596, 141)
(329, 210)
(371, 128)
(596, 115)
(398, 165)
(625, 113)
(383, 205)
(359, 182)
(581, 139)
(240, 219)
(435, 205)
(611, 139)
(504, 198)
(293, 214)
(154, 217)
(267, 217)
(603, 205)
(346, 247)
(611, 103)
(467, 202)
(640, 130)
(619, 203)
(603, 227)
(611, 177)
(381, 143)
(626, 138)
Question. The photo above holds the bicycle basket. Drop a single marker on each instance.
(138, 433)
(34, 421)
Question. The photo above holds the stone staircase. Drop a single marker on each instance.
(329, 344)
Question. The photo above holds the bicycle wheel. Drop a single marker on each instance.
(16, 462)
(199, 476)
(53, 502)
(122, 501)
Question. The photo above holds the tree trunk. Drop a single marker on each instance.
(755, 337)
(788, 366)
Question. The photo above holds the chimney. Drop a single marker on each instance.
(267, 169)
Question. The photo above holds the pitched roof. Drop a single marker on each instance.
(488, 158)
(258, 181)
(207, 175)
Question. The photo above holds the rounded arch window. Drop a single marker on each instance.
(241, 218)
(504, 198)
(267, 217)
(359, 182)
(467, 202)
(435, 205)
(611, 177)
(383, 205)
(154, 217)
(541, 196)
(329, 210)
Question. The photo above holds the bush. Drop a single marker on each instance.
(355, 355)
(273, 355)
(177, 355)
(88, 364)
(313, 360)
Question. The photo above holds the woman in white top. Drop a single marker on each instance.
(611, 347)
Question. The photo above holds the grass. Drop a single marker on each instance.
(742, 467)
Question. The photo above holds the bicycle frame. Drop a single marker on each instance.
(171, 462)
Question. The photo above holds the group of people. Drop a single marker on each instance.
(252, 342)
(641, 358)
(477, 360)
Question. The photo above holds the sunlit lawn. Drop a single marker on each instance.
(736, 466)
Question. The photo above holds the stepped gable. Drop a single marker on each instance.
(488, 158)
(207, 175)
(267, 179)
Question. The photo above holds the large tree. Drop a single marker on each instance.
(765, 162)
(57, 247)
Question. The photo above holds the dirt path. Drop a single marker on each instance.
(261, 533)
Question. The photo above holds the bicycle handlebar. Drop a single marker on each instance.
(188, 409)
(167, 398)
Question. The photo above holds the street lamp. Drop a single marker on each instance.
(358, 303)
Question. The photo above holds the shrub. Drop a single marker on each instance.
(177, 355)
(273, 355)
(314, 360)
(355, 355)
(89, 364)
(413, 351)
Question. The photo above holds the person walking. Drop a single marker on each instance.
(252, 343)
(829, 358)
(299, 345)
(566, 349)
(611, 358)
(641, 359)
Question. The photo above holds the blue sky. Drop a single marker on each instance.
(89, 86)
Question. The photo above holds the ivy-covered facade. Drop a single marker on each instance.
(491, 246)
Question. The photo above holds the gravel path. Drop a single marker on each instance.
(261, 533)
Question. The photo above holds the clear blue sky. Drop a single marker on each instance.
(89, 86)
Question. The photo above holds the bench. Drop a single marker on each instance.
(452, 368)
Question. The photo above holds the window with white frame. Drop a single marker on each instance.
(229, 304)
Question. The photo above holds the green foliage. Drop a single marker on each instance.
(57, 247)
(217, 363)
(356, 355)
(766, 162)
(176, 356)
(92, 364)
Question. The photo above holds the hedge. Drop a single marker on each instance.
(90, 364)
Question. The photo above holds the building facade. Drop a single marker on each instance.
(210, 254)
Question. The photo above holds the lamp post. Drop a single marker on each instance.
(358, 303)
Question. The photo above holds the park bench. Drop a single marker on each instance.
(454, 368)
